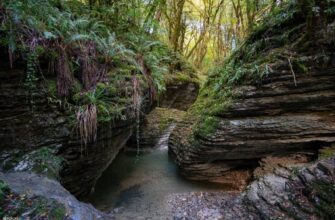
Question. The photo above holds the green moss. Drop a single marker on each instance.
(52, 88)
(165, 122)
(324, 197)
(41, 161)
(270, 48)
(57, 213)
(327, 152)
(207, 125)
(4, 190)
(181, 77)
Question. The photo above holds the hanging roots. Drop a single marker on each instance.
(89, 67)
(87, 123)
(64, 76)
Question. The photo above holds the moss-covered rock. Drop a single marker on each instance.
(14, 205)
(42, 161)
(27, 195)
(326, 152)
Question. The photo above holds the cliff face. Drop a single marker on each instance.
(275, 118)
(285, 106)
(27, 127)
(153, 127)
(41, 135)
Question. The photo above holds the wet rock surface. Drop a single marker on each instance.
(288, 193)
(153, 126)
(32, 185)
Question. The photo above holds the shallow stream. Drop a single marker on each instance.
(137, 185)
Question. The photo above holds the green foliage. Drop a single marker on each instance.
(280, 42)
(207, 125)
(327, 152)
(323, 194)
(94, 66)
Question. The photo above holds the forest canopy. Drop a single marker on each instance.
(203, 31)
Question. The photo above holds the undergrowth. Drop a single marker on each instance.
(93, 65)
(294, 38)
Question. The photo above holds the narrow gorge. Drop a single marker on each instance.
(176, 109)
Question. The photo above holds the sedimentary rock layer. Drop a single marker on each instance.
(288, 193)
(275, 117)
(31, 122)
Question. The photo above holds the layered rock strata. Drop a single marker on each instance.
(32, 122)
(288, 193)
(274, 118)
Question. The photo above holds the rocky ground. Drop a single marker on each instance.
(288, 193)
(41, 198)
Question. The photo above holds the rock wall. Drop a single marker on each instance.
(153, 126)
(85, 164)
(179, 95)
(285, 108)
(26, 127)
(288, 193)
(274, 118)
(173, 103)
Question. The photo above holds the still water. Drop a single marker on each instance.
(137, 184)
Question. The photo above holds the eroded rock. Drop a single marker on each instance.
(299, 119)
(32, 185)
(302, 193)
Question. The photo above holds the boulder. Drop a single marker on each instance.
(289, 193)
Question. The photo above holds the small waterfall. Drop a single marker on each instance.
(163, 141)
(138, 136)
(137, 101)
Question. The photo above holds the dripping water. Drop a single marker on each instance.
(137, 102)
